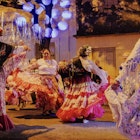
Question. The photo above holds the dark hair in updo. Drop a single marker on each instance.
(82, 50)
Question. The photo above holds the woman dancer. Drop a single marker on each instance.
(8, 62)
(17, 94)
(51, 99)
(82, 101)
(124, 96)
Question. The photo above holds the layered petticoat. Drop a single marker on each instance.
(46, 88)
(53, 99)
(25, 83)
(5, 70)
(81, 101)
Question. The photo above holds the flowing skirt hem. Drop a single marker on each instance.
(91, 113)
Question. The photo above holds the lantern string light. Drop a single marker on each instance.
(49, 17)
(55, 18)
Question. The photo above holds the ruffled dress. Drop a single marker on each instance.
(50, 79)
(24, 83)
(81, 100)
(5, 70)
(125, 101)
(44, 82)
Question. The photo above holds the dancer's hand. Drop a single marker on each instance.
(115, 85)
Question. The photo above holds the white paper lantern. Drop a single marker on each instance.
(65, 3)
(46, 2)
(62, 25)
(55, 13)
(66, 14)
(47, 19)
(40, 9)
(55, 2)
(36, 28)
(54, 33)
(48, 32)
(20, 21)
(28, 7)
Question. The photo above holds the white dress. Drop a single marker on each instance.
(5, 70)
(125, 101)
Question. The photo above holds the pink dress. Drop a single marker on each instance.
(5, 70)
(82, 98)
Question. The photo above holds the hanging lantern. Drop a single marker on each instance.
(48, 32)
(65, 3)
(52, 19)
(20, 21)
(66, 14)
(36, 28)
(55, 2)
(28, 7)
(55, 13)
(46, 2)
(47, 19)
(62, 25)
(54, 33)
(40, 9)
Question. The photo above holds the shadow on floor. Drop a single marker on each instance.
(53, 116)
(23, 132)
